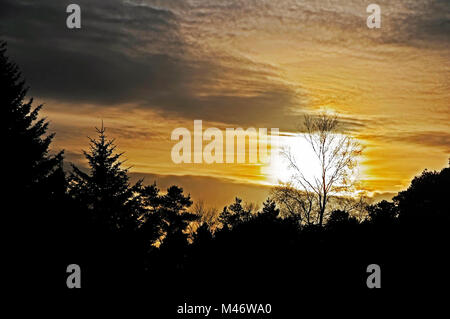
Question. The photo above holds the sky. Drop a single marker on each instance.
(148, 67)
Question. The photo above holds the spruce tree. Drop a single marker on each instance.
(104, 193)
(29, 163)
(34, 189)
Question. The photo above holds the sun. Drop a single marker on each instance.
(278, 170)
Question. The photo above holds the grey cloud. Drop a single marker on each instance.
(407, 22)
(430, 138)
(151, 54)
(428, 20)
(131, 52)
(427, 138)
(92, 64)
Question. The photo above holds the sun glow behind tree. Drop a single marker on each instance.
(280, 172)
(322, 164)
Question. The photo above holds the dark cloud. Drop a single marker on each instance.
(152, 54)
(134, 53)
(130, 132)
(427, 22)
(99, 63)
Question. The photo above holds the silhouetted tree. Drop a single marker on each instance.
(207, 215)
(166, 218)
(234, 214)
(339, 219)
(30, 166)
(175, 219)
(383, 213)
(203, 234)
(105, 192)
(33, 195)
(336, 153)
(295, 203)
(270, 209)
(173, 211)
(152, 221)
(425, 199)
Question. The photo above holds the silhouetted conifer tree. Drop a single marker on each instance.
(170, 219)
(34, 188)
(174, 213)
(29, 163)
(105, 192)
(234, 214)
(152, 222)
(165, 216)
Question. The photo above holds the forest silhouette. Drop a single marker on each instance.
(129, 237)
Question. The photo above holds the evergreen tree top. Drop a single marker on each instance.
(28, 145)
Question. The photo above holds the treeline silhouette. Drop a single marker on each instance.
(127, 237)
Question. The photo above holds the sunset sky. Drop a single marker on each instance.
(148, 67)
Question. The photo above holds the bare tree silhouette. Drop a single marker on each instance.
(335, 151)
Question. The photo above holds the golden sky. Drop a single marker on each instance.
(148, 67)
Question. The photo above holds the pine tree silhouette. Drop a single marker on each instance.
(173, 211)
(29, 163)
(234, 214)
(166, 217)
(105, 193)
(33, 198)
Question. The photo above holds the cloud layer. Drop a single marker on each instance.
(150, 66)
